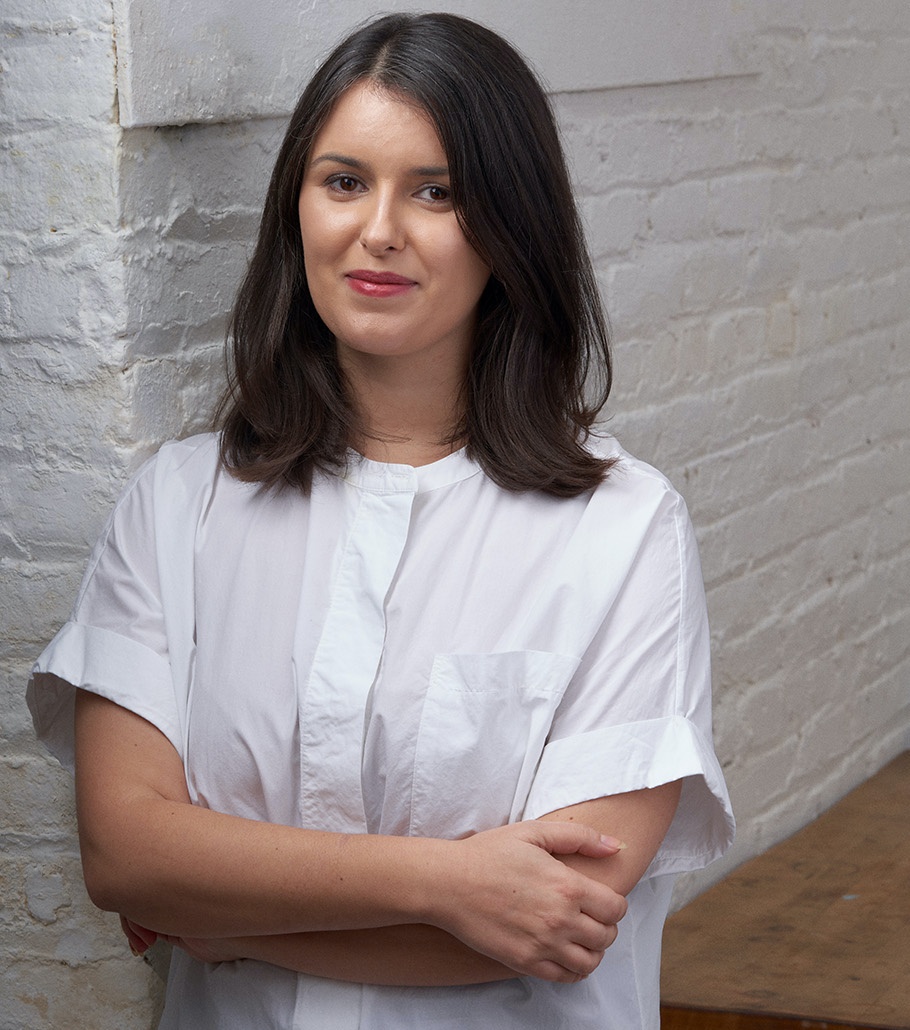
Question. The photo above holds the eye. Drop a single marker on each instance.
(435, 193)
(342, 183)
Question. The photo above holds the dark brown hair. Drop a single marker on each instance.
(540, 367)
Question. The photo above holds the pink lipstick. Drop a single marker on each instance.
(378, 284)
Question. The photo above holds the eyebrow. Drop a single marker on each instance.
(352, 162)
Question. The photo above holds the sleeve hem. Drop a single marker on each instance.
(633, 756)
(104, 663)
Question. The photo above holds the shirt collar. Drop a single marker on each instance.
(388, 477)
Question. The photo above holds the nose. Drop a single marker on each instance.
(382, 228)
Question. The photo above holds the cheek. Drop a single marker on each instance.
(311, 267)
(460, 258)
(320, 231)
(313, 243)
(474, 271)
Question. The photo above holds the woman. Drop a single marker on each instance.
(395, 694)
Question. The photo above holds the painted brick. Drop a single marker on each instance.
(78, 79)
(53, 181)
(614, 221)
(185, 285)
(680, 212)
(109, 993)
(16, 732)
(50, 795)
(209, 169)
(51, 15)
(27, 286)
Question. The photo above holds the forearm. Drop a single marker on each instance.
(184, 871)
(181, 869)
(641, 818)
(409, 955)
(193, 872)
(412, 955)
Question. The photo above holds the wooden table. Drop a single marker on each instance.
(813, 933)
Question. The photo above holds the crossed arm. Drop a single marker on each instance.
(540, 898)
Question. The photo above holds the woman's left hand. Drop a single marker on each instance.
(141, 938)
(211, 950)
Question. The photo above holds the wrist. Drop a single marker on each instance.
(432, 882)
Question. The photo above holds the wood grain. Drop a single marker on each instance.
(699, 1019)
(818, 927)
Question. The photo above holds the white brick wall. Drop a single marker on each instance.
(66, 439)
(751, 234)
(753, 241)
(210, 62)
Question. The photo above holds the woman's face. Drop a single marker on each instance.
(389, 269)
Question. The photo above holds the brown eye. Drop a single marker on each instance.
(440, 194)
(344, 183)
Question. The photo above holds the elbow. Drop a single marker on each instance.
(107, 877)
(102, 887)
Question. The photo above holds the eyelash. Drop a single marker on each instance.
(334, 183)
(443, 189)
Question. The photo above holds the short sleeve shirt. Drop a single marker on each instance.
(410, 651)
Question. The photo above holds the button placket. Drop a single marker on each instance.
(347, 659)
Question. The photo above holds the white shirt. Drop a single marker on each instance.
(406, 651)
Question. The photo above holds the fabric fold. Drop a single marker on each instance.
(99, 661)
(632, 756)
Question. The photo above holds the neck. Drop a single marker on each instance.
(409, 415)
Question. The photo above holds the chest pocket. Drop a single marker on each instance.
(483, 728)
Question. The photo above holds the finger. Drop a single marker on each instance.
(579, 960)
(574, 838)
(558, 973)
(594, 935)
(145, 935)
(137, 945)
(149, 936)
(555, 973)
(602, 847)
(602, 903)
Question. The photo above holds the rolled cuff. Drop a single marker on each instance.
(104, 663)
(618, 759)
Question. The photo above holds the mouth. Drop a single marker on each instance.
(378, 284)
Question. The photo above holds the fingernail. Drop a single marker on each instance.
(613, 842)
(138, 954)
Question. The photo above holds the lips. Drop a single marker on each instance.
(381, 278)
(378, 284)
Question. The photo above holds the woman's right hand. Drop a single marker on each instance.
(510, 899)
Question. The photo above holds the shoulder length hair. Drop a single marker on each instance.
(540, 366)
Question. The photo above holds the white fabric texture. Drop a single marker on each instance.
(406, 651)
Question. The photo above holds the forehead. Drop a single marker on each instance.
(369, 115)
